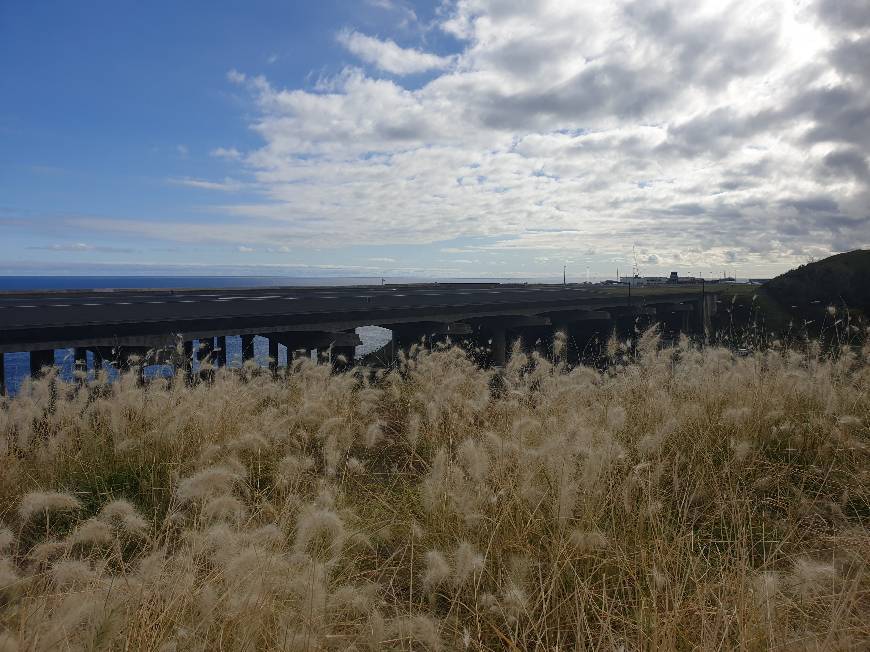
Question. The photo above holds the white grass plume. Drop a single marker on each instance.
(40, 502)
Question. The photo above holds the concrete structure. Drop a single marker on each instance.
(113, 325)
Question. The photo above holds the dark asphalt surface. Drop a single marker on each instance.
(40, 309)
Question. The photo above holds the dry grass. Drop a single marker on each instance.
(687, 500)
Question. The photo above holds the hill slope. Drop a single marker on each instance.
(842, 280)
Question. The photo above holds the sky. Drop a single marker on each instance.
(459, 138)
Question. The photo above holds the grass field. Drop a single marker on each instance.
(687, 499)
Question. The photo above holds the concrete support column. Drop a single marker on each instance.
(498, 356)
(342, 357)
(273, 354)
(220, 358)
(206, 350)
(247, 348)
(40, 359)
(686, 323)
(187, 362)
(80, 358)
(2, 374)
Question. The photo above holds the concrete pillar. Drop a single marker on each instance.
(273, 354)
(322, 353)
(80, 358)
(40, 359)
(220, 358)
(206, 350)
(98, 360)
(498, 355)
(2, 374)
(187, 362)
(247, 348)
(339, 352)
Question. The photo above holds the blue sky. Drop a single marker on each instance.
(467, 138)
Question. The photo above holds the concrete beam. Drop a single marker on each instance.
(515, 321)
(296, 340)
(580, 315)
(633, 311)
(664, 308)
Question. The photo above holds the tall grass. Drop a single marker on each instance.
(682, 499)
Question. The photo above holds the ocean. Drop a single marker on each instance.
(12, 283)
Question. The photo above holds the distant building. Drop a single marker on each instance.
(674, 278)
(636, 281)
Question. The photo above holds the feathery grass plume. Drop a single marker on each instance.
(497, 517)
(433, 488)
(411, 632)
(6, 539)
(8, 577)
(71, 573)
(213, 481)
(8, 642)
(616, 416)
(123, 515)
(810, 576)
(736, 416)
(92, 532)
(765, 588)
(224, 508)
(474, 459)
(42, 502)
(292, 470)
(467, 562)
(320, 532)
(47, 551)
(436, 571)
(514, 602)
(352, 601)
(588, 541)
(374, 434)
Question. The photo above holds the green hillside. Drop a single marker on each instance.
(842, 281)
(799, 302)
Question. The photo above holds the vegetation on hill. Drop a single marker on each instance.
(842, 281)
(686, 499)
(827, 300)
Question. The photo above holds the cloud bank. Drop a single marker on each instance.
(703, 132)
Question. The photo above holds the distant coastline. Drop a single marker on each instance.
(10, 283)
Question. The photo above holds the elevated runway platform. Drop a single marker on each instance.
(136, 321)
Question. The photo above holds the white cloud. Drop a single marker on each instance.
(235, 76)
(245, 250)
(227, 185)
(390, 57)
(706, 133)
(182, 150)
(230, 153)
(78, 247)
